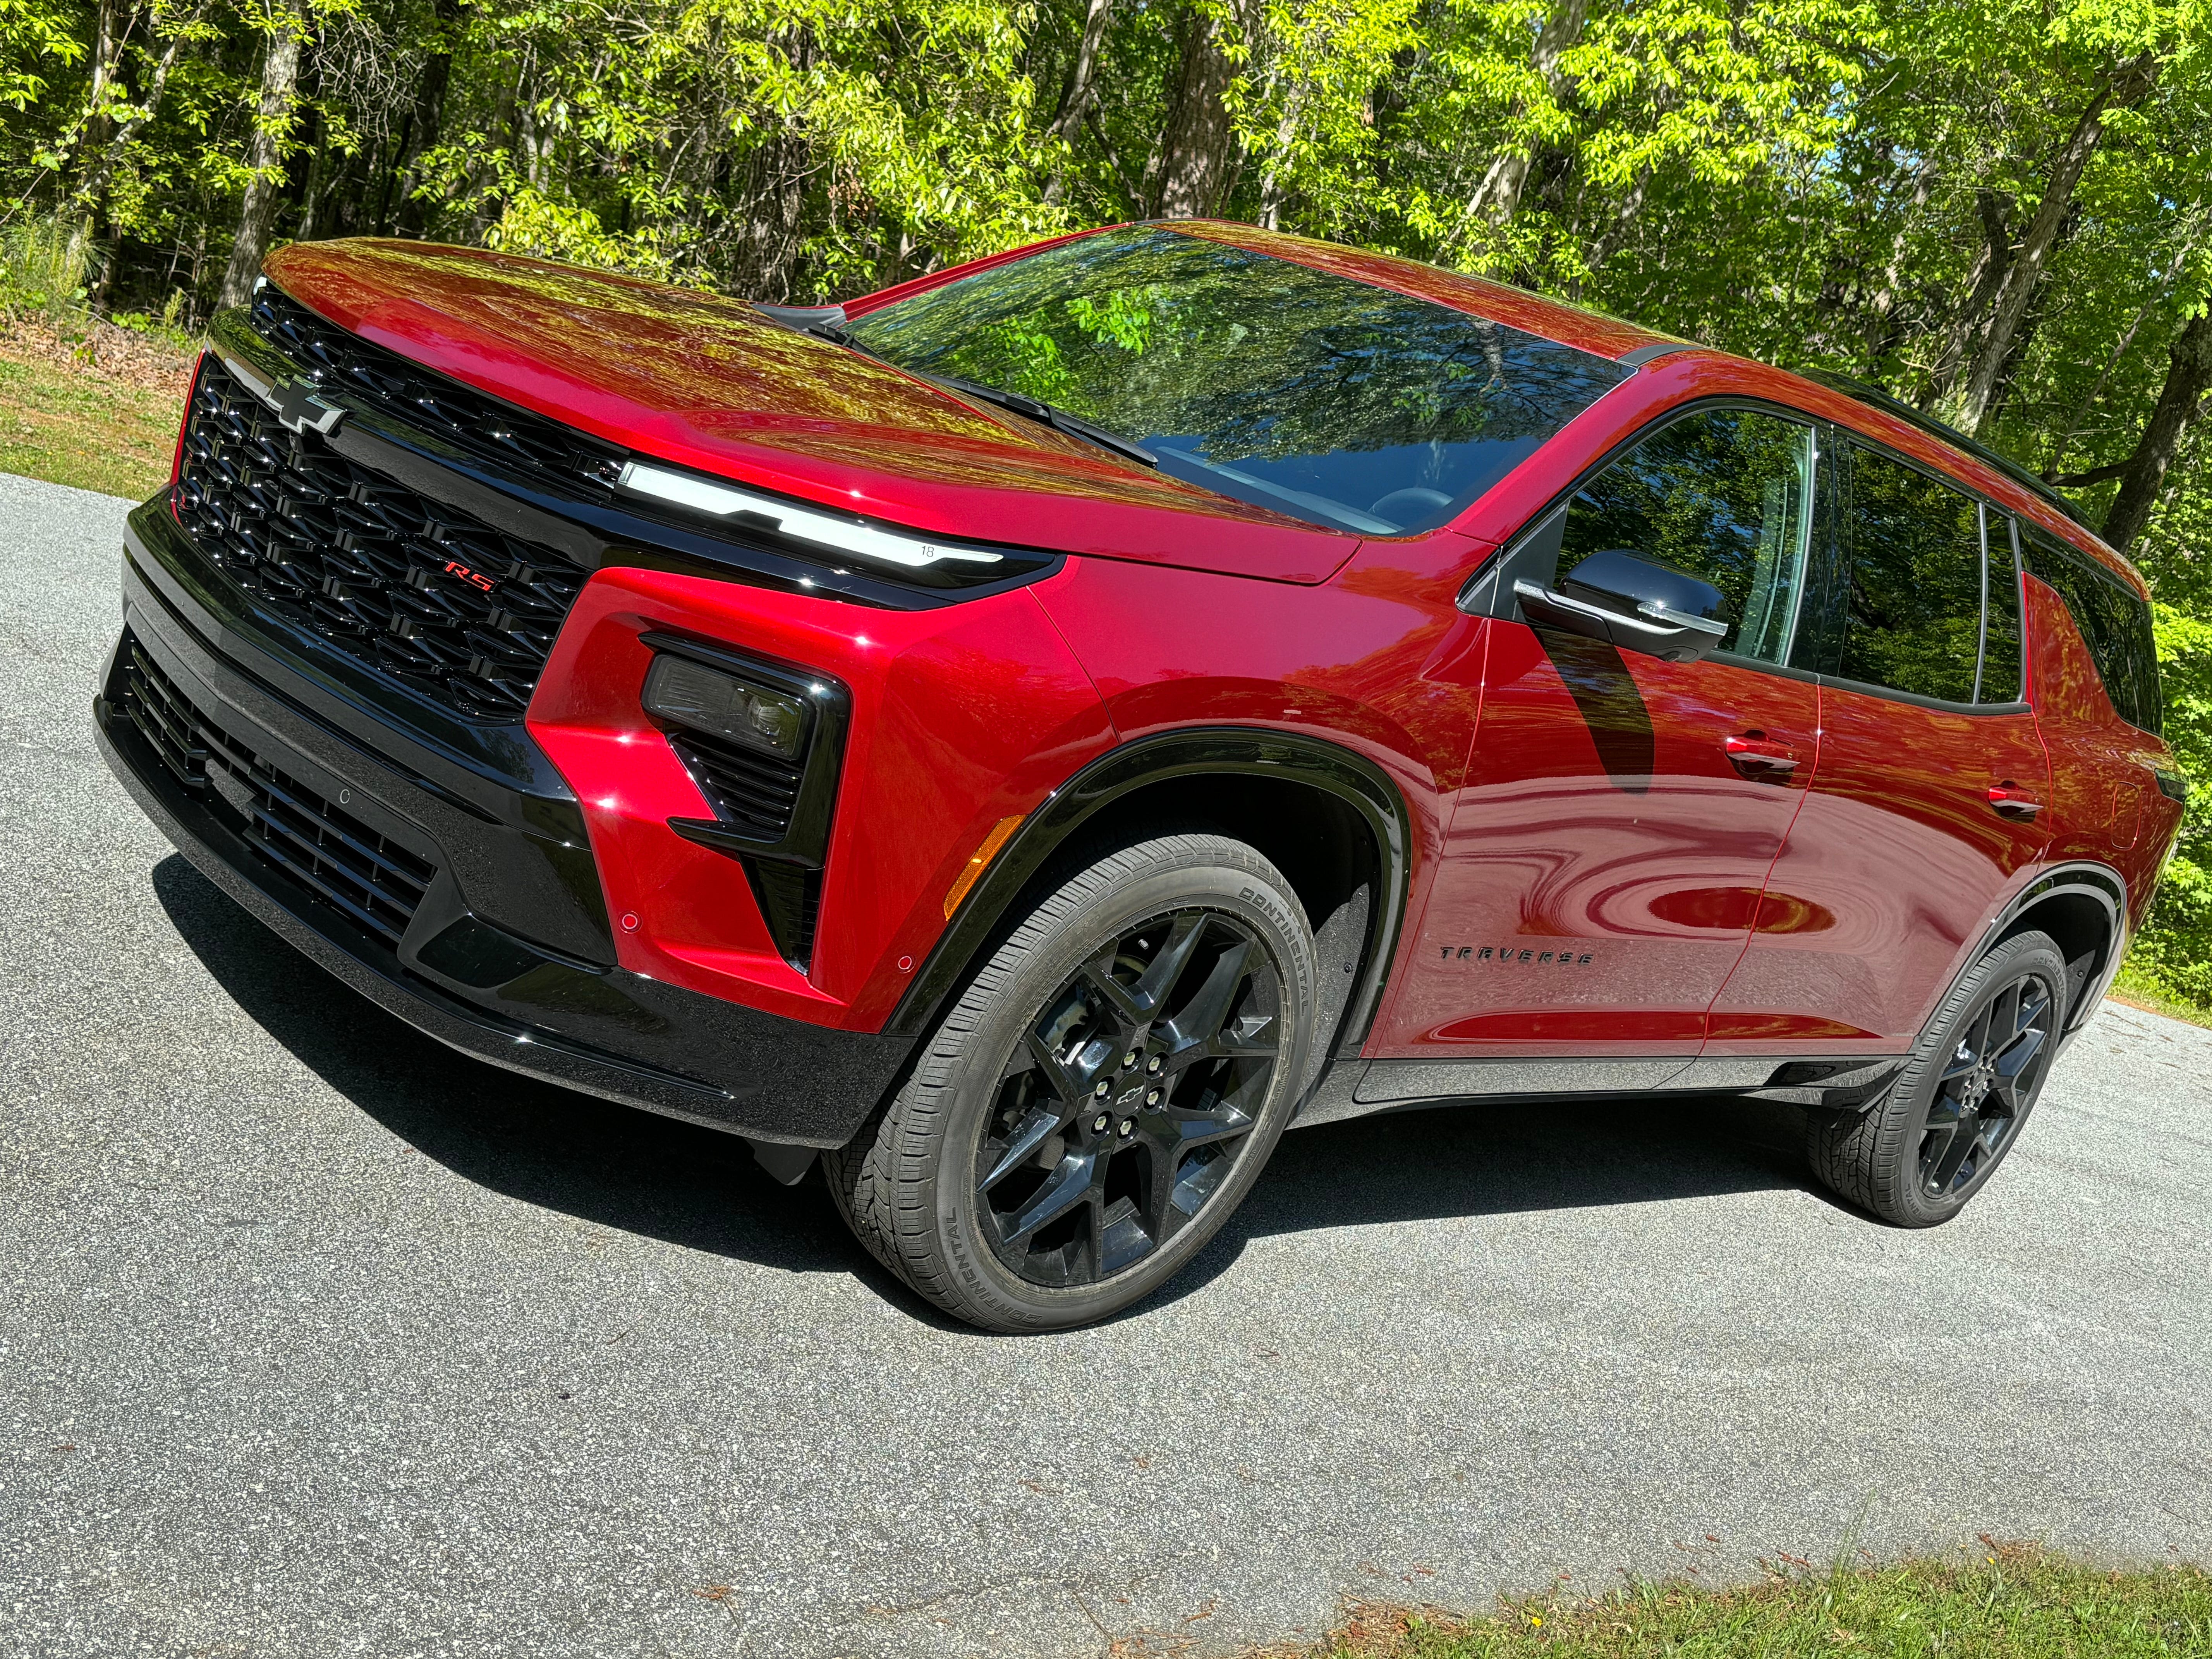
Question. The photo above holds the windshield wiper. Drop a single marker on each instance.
(828, 323)
(1059, 419)
(822, 322)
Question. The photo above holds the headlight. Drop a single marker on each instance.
(723, 706)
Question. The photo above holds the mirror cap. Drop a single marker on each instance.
(1629, 581)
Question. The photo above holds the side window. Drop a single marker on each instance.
(1913, 615)
(1720, 496)
(2000, 680)
(2112, 622)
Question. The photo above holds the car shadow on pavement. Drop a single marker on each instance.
(699, 1189)
(534, 1141)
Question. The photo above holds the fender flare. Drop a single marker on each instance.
(2100, 884)
(1311, 762)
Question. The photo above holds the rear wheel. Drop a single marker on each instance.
(1958, 1105)
(1100, 1098)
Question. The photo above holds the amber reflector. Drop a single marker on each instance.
(1001, 833)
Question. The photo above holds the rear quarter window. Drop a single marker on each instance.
(2112, 622)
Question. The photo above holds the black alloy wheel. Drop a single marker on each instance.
(1986, 1087)
(1128, 1098)
(1916, 1155)
(1100, 1097)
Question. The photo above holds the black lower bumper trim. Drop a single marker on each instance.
(473, 986)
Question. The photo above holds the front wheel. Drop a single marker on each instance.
(1101, 1097)
(1958, 1107)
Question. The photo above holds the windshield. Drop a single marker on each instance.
(1324, 399)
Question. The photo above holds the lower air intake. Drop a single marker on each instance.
(319, 845)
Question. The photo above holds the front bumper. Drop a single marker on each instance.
(493, 943)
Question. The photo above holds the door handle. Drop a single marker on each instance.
(2011, 804)
(1758, 760)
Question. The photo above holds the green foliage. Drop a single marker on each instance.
(1851, 185)
(1999, 1602)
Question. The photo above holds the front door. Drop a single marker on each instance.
(1607, 854)
(1931, 780)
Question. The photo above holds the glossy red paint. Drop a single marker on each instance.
(2104, 803)
(177, 455)
(1888, 879)
(960, 717)
(1606, 854)
(1600, 862)
(708, 383)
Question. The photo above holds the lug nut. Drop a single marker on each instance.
(1151, 1096)
(1103, 1089)
(1129, 1058)
(1098, 1124)
(1153, 1065)
(1128, 1128)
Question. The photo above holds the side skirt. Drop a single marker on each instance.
(1362, 1088)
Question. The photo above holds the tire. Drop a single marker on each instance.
(1916, 1156)
(998, 1123)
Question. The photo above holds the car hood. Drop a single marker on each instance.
(708, 382)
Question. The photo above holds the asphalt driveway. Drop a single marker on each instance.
(318, 1340)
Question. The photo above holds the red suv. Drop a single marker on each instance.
(1033, 734)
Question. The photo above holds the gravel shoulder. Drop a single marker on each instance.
(316, 1339)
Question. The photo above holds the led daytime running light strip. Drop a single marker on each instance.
(836, 535)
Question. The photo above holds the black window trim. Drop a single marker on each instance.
(1499, 603)
(2096, 570)
(1488, 593)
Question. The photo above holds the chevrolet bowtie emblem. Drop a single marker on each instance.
(295, 404)
(301, 411)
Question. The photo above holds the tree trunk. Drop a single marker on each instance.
(91, 193)
(1984, 278)
(1082, 90)
(2132, 82)
(1497, 197)
(1275, 186)
(280, 79)
(106, 55)
(427, 120)
(1199, 148)
(2188, 376)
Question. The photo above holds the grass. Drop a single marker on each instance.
(2000, 1601)
(2138, 991)
(84, 425)
(83, 400)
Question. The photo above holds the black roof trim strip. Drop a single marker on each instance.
(1875, 398)
(1644, 353)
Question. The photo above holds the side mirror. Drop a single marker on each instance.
(1634, 603)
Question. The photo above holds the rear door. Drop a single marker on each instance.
(1932, 779)
(1607, 853)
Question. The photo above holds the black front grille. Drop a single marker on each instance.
(325, 848)
(423, 592)
(755, 791)
(418, 397)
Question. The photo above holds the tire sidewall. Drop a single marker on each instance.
(1916, 1090)
(1171, 877)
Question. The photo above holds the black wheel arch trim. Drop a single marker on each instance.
(2102, 885)
(1189, 752)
